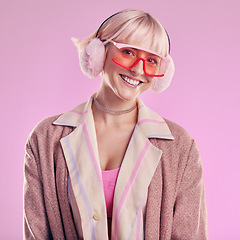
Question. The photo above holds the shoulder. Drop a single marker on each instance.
(182, 142)
(44, 125)
(45, 132)
(178, 132)
(179, 152)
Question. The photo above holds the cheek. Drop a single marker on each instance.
(108, 64)
(108, 55)
(163, 67)
(150, 80)
(145, 87)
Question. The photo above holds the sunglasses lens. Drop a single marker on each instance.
(128, 57)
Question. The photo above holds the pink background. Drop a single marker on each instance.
(40, 77)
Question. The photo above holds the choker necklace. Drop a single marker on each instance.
(99, 106)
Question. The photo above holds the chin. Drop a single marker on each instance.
(127, 95)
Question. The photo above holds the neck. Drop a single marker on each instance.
(108, 99)
(115, 110)
(111, 111)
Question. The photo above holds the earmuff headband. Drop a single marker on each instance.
(107, 20)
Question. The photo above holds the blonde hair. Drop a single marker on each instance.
(132, 26)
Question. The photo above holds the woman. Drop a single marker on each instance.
(111, 167)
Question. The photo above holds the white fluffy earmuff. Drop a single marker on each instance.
(91, 58)
(162, 83)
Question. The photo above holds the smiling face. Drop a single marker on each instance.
(127, 84)
(120, 77)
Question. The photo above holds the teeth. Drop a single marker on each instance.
(130, 81)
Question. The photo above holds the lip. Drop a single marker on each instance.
(128, 84)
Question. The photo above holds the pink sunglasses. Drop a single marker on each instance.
(127, 57)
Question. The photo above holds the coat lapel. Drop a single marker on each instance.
(137, 169)
(81, 153)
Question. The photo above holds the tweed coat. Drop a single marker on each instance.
(176, 206)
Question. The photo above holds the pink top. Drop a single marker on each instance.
(109, 182)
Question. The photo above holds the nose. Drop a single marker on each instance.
(137, 69)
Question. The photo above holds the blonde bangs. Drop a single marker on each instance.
(136, 27)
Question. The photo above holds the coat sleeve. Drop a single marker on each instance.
(190, 213)
(35, 218)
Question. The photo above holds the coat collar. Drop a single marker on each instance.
(151, 124)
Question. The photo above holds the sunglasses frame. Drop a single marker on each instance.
(122, 45)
